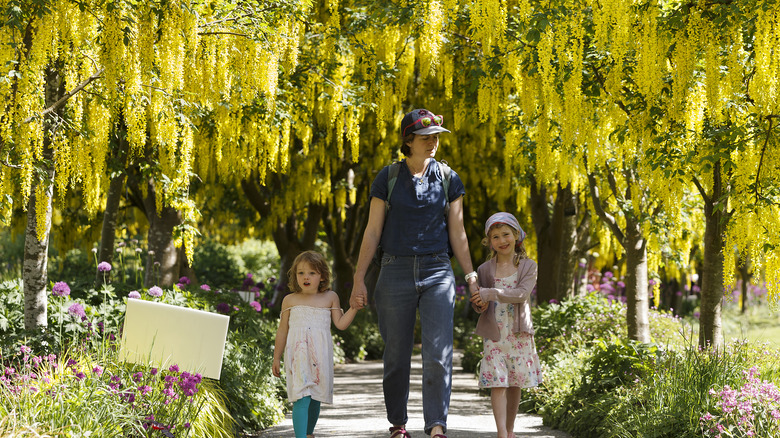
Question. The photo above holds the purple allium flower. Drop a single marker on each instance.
(223, 308)
(80, 375)
(98, 370)
(180, 285)
(134, 294)
(155, 291)
(138, 376)
(257, 306)
(153, 372)
(60, 289)
(205, 287)
(77, 309)
(144, 389)
(104, 266)
(173, 368)
(184, 280)
(25, 349)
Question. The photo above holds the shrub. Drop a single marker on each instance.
(216, 266)
(362, 340)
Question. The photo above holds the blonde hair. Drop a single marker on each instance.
(519, 246)
(316, 261)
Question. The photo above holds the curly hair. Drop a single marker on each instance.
(519, 247)
(316, 261)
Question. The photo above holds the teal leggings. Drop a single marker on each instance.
(305, 413)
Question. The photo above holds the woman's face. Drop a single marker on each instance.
(424, 146)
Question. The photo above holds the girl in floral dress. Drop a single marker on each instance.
(304, 337)
(506, 280)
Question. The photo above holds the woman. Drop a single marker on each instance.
(418, 231)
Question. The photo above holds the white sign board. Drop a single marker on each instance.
(168, 335)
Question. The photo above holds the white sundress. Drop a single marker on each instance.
(512, 360)
(308, 355)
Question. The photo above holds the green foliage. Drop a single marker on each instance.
(88, 392)
(11, 255)
(472, 353)
(255, 396)
(361, 340)
(257, 257)
(216, 266)
(247, 397)
(597, 383)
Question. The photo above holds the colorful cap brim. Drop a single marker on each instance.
(430, 130)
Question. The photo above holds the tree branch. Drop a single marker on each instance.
(761, 161)
(702, 191)
(606, 217)
(56, 105)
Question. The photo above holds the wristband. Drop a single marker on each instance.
(470, 275)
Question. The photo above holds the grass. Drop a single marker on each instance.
(758, 324)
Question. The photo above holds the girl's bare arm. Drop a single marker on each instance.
(281, 338)
(341, 319)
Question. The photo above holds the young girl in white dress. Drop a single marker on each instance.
(304, 337)
(506, 279)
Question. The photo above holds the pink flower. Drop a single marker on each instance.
(104, 266)
(60, 289)
(205, 287)
(77, 309)
(257, 306)
(155, 291)
(134, 294)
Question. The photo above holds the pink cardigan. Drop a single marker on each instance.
(487, 327)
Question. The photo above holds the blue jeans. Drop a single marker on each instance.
(404, 285)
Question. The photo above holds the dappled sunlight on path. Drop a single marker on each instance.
(358, 408)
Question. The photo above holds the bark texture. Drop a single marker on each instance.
(710, 328)
(113, 198)
(561, 241)
(36, 249)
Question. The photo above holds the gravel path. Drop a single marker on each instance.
(358, 408)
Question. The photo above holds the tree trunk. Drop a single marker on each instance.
(745, 275)
(162, 265)
(710, 330)
(637, 312)
(286, 232)
(114, 196)
(36, 255)
(560, 243)
(36, 249)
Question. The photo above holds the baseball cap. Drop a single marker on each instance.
(421, 122)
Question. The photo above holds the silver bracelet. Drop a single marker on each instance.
(470, 275)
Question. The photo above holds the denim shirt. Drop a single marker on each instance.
(415, 223)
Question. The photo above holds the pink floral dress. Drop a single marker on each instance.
(512, 360)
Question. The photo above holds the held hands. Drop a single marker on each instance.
(359, 297)
(476, 298)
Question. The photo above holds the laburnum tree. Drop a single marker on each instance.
(77, 74)
(603, 87)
